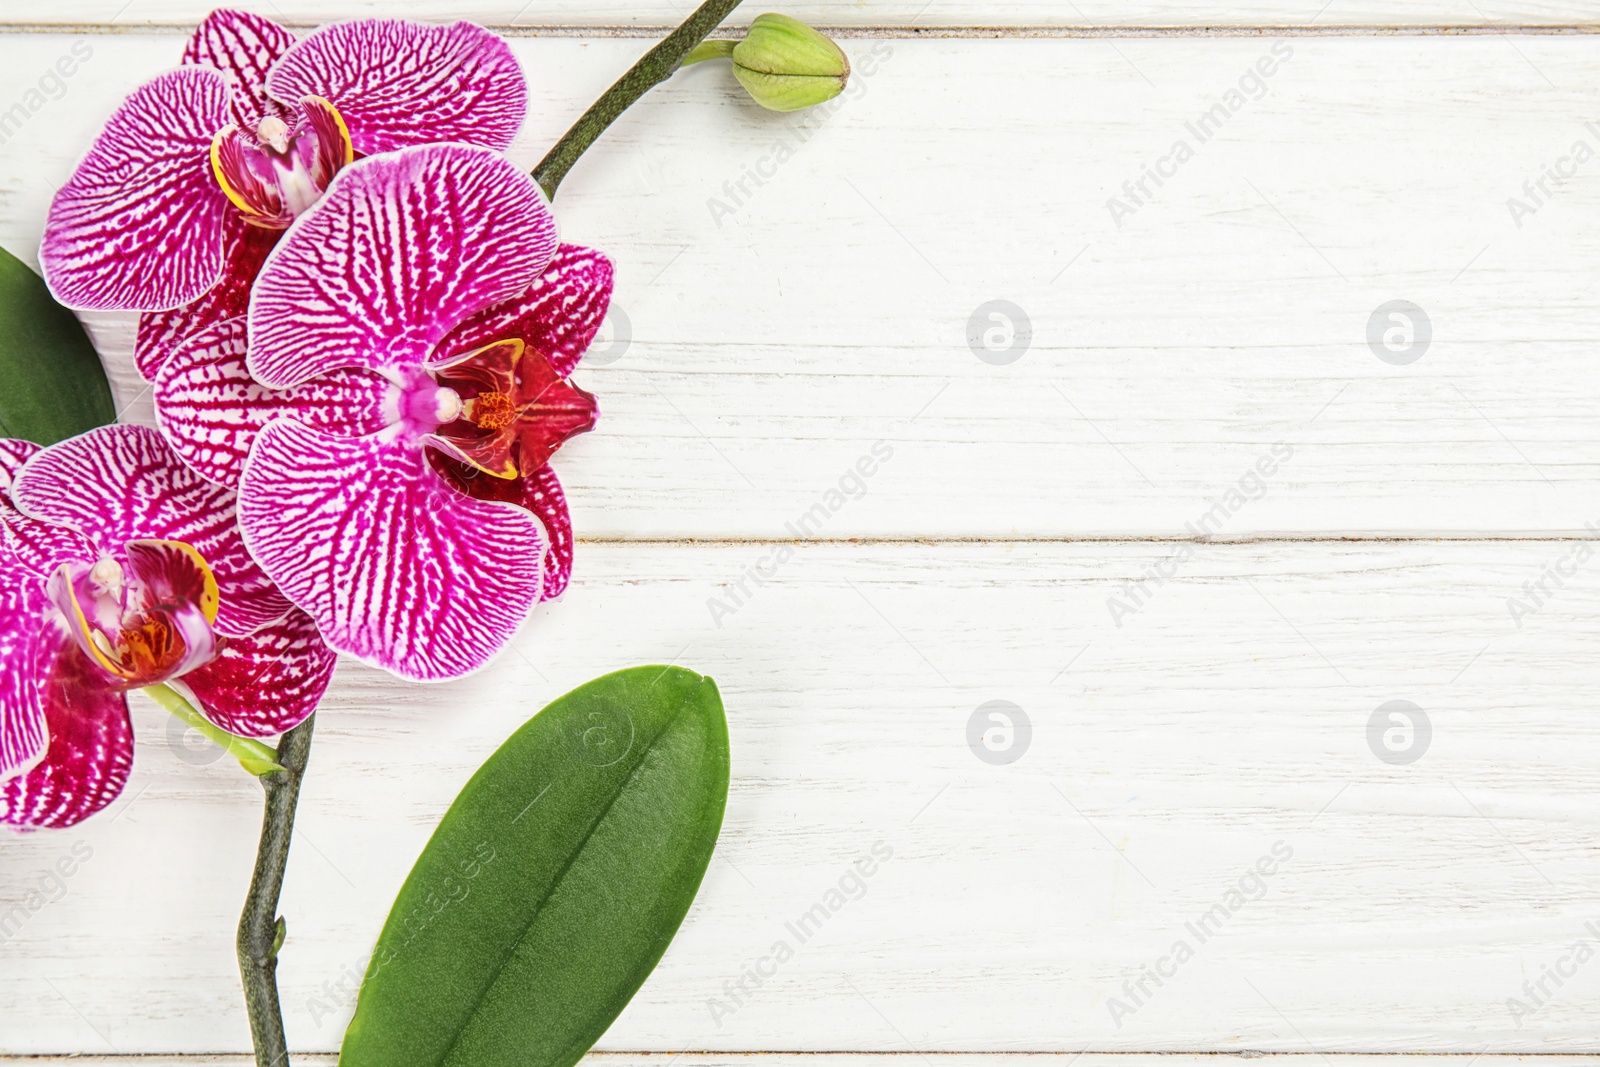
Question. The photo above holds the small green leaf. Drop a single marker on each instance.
(52, 385)
(554, 882)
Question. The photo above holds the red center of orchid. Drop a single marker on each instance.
(278, 172)
(144, 619)
(150, 648)
(515, 409)
(491, 411)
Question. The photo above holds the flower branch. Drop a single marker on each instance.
(261, 930)
(253, 756)
(655, 67)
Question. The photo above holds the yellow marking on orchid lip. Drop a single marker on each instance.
(210, 593)
(229, 191)
(112, 666)
(344, 128)
(456, 452)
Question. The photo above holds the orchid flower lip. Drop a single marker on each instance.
(278, 171)
(145, 618)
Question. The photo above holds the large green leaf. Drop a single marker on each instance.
(554, 882)
(51, 383)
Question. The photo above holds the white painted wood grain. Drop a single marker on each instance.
(1167, 756)
(924, 13)
(861, 1059)
(865, 1059)
(828, 313)
(830, 310)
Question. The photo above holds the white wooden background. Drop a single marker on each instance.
(764, 355)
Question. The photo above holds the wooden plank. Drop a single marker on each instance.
(1227, 717)
(777, 333)
(849, 1059)
(925, 13)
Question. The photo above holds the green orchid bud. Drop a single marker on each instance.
(782, 63)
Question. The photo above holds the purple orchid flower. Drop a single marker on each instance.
(120, 568)
(389, 408)
(244, 137)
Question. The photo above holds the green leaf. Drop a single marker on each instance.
(554, 882)
(51, 383)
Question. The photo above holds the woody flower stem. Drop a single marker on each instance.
(261, 930)
(655, 67)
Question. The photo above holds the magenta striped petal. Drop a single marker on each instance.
(91, 741)
(245, 248)
(395, 566)
(542, 494)
(400, 250)
(117, 484)
(138, 226)
(243, 47)
(539, 493)
(210, 408)
(37, 546)
(399, 84)
(268, 682)
(13, 454)
(23, 605)
(558, 315)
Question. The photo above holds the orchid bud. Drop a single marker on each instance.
(782, 63)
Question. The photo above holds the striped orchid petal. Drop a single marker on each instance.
(266, 683)
(539, 492)
(22, 719)
(399, 84)
(395, 567)
(558, 315)
(139, 225)
(210, 408)
(22, 602)
(427, 237)
(245, 248)
(90, 748)
(243, 47)
(37, 546)
(117, 484)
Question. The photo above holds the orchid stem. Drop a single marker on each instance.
(655, 67)
(261, 930)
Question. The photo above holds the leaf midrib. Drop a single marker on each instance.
(566, 866)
